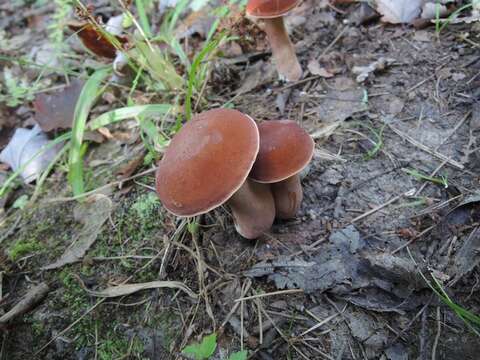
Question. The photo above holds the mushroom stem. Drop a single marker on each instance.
(283, 50)
(253, 209)
(288, 197)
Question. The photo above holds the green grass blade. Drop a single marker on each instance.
(127, 113)
(85, 102)
(142, 14)
(194, 75)
(159, 66)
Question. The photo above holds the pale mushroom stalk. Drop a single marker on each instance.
(253, 209)
(288, 195)
(283, 50)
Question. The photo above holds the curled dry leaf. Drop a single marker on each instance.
(55, 110)
(127, 289)
(399, 11)
(24, 152)
(92, 214)
(95, 40)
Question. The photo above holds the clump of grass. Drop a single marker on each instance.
(145, 206)
(442, 180)
(22, 248)
(116, 347)
(76, 301)
(471, 320)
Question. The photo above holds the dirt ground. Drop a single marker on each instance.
(364, 201)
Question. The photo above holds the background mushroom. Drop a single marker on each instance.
(207, 164)
(272, 12)
(285, 149)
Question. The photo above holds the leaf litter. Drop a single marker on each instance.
(368, 282)
(349, 268)
(92, 214)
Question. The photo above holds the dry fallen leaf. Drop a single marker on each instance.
(94, 40)
(92, 213)
(363, 72)
(316, 69)
(55, 110)
(23, 147)
(127, 289)
(399, 11)
(197, 22)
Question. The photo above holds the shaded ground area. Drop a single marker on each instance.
(396, 164)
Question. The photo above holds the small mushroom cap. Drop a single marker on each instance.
(267, 9)
(285, 149)
(207, 161)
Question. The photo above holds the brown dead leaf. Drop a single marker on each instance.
(105, 132)
(55, 110)
(127, 289)
(316, 69)
(197, 22)
(129, 168)
(258, 74)
(94, 40)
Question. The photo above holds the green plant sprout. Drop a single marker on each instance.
(205, 349)
(470, 319)
(442, 180)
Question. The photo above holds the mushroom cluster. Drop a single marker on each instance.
(222, 157)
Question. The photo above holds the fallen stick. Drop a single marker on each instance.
(31, 298)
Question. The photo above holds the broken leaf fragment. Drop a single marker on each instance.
(363, 72)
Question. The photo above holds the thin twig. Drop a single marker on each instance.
(437, 336)
(237, 304)
(380, 207)
(281, 292)
(413, 239)
(426, 148)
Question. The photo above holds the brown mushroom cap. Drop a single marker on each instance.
(285, 149)
(266, 9)
(207, 161)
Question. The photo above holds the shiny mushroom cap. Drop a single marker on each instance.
(207, 161)
(285, 149)
(267, 9)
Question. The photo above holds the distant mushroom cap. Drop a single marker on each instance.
(265, 9)
(207, 161)
(285, 149)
